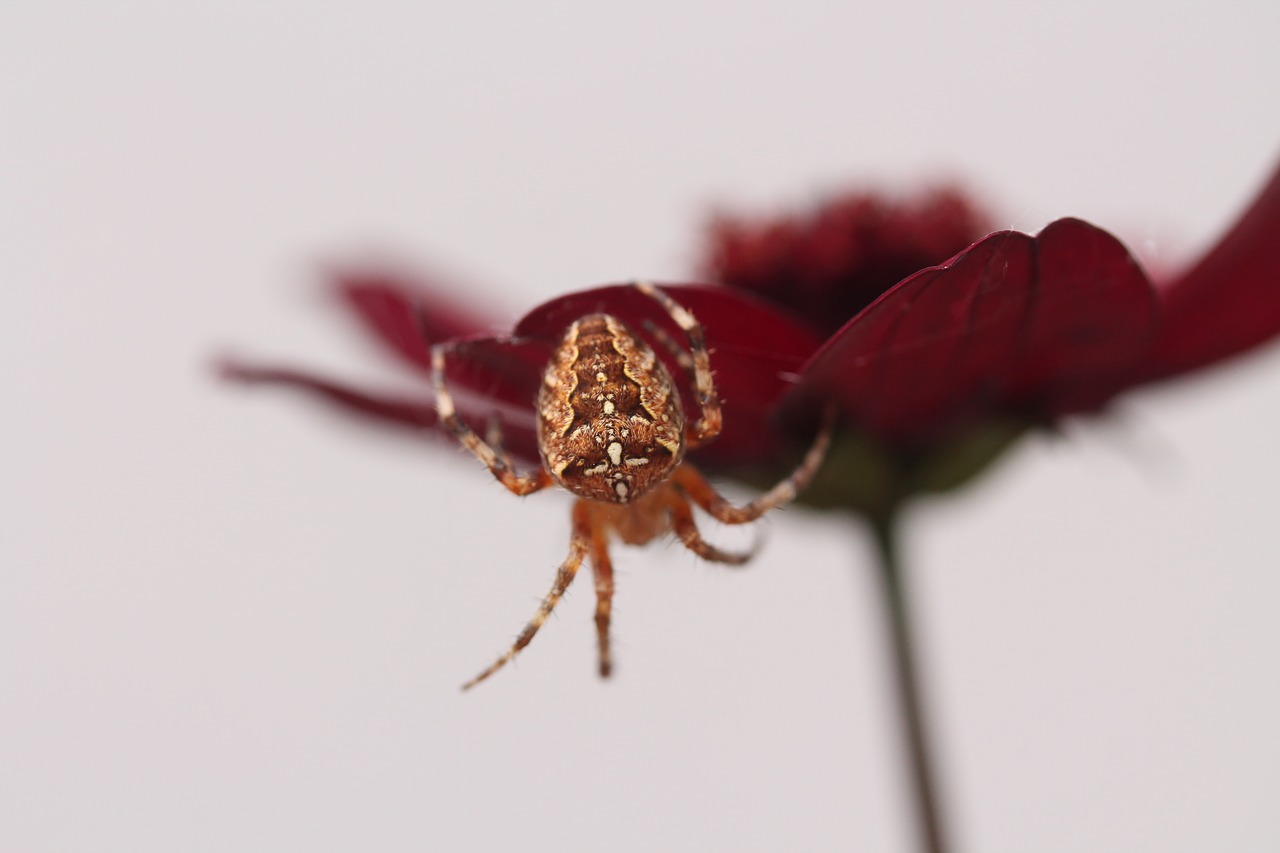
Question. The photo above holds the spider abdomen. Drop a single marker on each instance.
(610, 424)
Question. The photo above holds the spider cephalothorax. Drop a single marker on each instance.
(612, 431)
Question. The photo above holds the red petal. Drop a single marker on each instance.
(409, 316)
(1095, 316)
(1014, 322)
(756, 351)
(489, 378)
(1230, 300)
(401, 410)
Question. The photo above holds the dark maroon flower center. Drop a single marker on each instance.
(829, 264)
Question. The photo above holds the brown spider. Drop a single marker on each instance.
(612, 431)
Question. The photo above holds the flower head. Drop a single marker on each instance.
(938, 348)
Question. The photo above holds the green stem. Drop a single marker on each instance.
(910, 702)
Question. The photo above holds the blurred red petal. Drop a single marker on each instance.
(399, 410)
(1096, 315)
(1230, 300)
(491, 380)
(409, 316)
(1014, 322)
(756, 351)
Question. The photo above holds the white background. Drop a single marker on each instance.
(233, 621)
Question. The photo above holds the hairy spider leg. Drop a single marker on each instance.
(685, 361)
(602, 571)
(580, 543)
(493, 436)
(682, 523)
(702, 493)
(710, 419)
(680, 519)
(671, 345)
(494, 460)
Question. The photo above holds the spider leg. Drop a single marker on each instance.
(682, 357)
(494, 460)
(687, 530)
(708, 424)
(602, 570)
(702, 493)
(579, 543)
(671, 345)
(493, 437)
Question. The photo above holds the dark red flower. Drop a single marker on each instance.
(937, 354)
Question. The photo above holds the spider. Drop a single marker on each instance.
(611, 430)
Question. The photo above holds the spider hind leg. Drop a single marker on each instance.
(692, 483)
(602, 571)
(580, 543)
(686, 529)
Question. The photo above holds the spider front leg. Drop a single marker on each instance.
(682, 358)
(710, 419)
(494, 460)
(580, 542)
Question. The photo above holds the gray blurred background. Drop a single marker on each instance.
(234, 621)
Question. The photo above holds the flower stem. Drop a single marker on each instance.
(910, 702)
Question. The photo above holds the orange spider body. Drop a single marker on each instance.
(611, 430)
